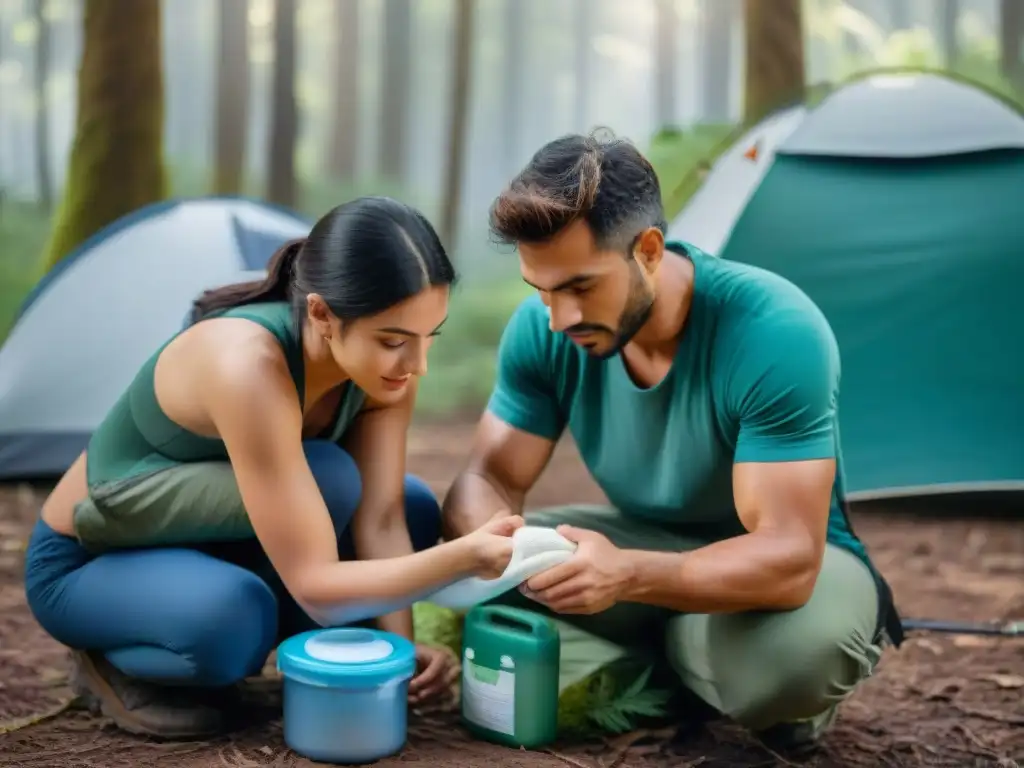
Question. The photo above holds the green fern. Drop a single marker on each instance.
(613, 710)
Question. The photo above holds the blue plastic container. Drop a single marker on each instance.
(346, 693)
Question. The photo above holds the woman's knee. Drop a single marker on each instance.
(422, 513)
(163, 614)
(337, 477)
(231, 631)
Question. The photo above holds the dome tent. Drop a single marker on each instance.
(894, 203)
(88, 326)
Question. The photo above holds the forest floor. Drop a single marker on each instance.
(940, 700)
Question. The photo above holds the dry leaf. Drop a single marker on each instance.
(972, 641)
(1005, 681)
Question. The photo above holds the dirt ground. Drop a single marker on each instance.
(941, 700)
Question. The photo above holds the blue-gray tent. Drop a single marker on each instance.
(93, 320)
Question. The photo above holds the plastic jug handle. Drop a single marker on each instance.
(508, 617)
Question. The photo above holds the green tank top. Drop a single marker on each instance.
(131, 455)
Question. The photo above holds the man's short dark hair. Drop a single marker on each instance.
(597, 178)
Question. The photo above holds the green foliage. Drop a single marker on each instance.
(23, 231)
(678, 157)
(462, 359)
(435, 625)
(614, 699)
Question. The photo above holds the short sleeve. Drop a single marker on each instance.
(783, 388)
(525, 388)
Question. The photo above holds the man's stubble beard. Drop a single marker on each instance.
(639, 305)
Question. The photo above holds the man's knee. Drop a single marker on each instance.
(338, 479)
(763, 668)
(800, 674)
(422, 513)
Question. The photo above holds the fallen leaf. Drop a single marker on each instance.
(1005, 681)
(972, 641)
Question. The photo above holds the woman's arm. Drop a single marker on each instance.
(251, 399)
(377, 444)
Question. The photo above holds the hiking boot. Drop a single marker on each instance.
(799, 736)
(144, 708)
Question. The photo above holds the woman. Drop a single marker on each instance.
(235, 491)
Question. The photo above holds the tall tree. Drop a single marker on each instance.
(396, 88)
(458, 126)
(343, 136)
(949, 16)
(775, 56)
(583, 11)
(1011, 38)
(42, 112)
(116, 163)
(284, 117)
(900, 14)
(232, 106)
(513, 82)
(666, 54)
(717, 18)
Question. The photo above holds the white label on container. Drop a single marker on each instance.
(489, 697)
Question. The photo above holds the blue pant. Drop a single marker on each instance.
(206, 616)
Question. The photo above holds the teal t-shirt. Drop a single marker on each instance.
(755, 379)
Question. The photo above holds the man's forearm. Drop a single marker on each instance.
(749, 572)
(472, 500)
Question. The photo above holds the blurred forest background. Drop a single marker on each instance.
(306, 103)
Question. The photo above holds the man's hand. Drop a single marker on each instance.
(436, 670)
(593, 580)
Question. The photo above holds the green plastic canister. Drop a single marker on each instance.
(510, 676)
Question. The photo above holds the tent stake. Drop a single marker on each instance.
(1012, 629)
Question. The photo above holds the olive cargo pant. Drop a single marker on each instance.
(759, 668)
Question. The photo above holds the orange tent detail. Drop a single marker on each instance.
(751, 154)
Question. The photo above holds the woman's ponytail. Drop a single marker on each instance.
(276, 286)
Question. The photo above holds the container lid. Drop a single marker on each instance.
(346, 655)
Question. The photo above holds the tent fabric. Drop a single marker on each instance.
(917, 263)
(710, 213)
(920, 283)
(86, 329)
(906, 115)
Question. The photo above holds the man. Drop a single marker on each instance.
(702, 395)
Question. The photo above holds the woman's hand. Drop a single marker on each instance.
(492, 544)
(437, 669)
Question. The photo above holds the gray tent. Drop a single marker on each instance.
(87, 327)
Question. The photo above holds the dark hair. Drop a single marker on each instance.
(362, 257)
(598, 178)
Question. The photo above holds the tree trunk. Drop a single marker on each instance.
(900, 16)
(717, 17)
(949, 15)
(283, 109)
(232, 116)
(1011, 36)
(343, 139)
(459, 122)
(42, 79)
(666, 34)
(583, 33)
(513, 80)
(396, 86)
(116, 163)
(775, 56)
